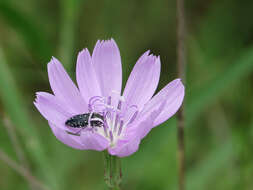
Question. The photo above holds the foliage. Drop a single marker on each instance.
(218, 102)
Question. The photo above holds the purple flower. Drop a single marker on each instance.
(126, 119)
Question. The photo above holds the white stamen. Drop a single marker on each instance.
(113, 115)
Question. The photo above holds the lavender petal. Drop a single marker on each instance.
(93, 141)
(64, 88)
(124, 147)
(143, 80)
(172, 96)
(67, 139)
(86, 77)
(107, 63)
(52, 109)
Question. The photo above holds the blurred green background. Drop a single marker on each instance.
(219, 90)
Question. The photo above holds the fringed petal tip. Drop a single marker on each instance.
(53, 61)
(108, 42)
(83, 52)
(38, 96)
(153, 57)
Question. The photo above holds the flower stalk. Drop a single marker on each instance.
(112, 173)
(181, 74)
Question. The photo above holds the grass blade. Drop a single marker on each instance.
(33, 36)
(17, 112)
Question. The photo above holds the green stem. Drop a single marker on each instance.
(113, 172)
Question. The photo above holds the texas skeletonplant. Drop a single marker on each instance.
(96, 114)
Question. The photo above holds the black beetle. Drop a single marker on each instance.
(82, 120)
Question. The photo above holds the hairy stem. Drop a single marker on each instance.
(112, 173)
(181, 74)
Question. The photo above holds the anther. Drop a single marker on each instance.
(105, 127)
(119, 105)
(133, 117)
(108, 115)
(111, 136)
(120, 127)
(116, 123)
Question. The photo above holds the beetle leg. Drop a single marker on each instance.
(76, 134)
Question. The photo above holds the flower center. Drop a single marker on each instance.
(116, 112)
